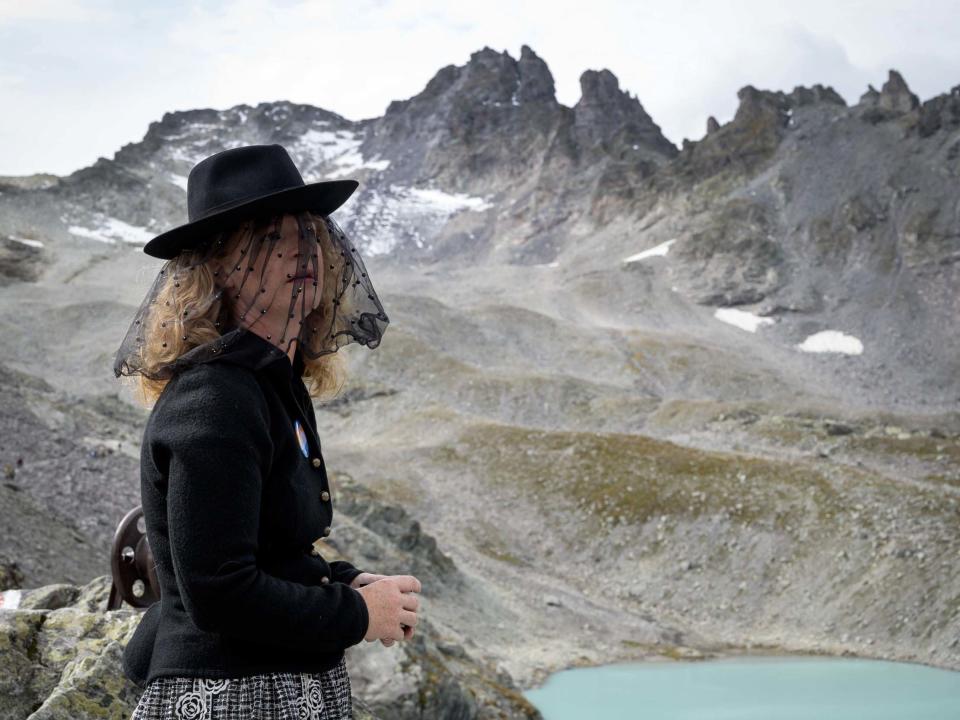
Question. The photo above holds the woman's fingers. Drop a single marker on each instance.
(407, 583)
(406, 632)
(410, 601)
(365, 578)
(409, 586)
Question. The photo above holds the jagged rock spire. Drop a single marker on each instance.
(895, 95)
(488, 78)
(536, 81)
(893, 100)
(604, 112)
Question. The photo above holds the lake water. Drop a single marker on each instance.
(752, 688)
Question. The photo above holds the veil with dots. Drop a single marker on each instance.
(197, 307)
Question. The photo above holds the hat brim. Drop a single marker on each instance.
(320, 197)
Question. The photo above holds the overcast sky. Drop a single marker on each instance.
(80, 79)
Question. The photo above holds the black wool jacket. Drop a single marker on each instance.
(234, 492)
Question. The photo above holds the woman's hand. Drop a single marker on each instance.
(366, 578)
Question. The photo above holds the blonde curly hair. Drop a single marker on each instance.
(190, 317)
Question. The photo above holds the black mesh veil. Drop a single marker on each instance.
(290, 277)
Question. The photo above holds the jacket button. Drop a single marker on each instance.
(326, 531)
(324, 496)
(324, 580)
(316, 462)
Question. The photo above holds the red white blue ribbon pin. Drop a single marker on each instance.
(301, 438)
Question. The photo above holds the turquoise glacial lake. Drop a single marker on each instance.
(752, 688)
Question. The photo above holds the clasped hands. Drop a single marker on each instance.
(392, 605)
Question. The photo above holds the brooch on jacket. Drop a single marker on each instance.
(301, 438)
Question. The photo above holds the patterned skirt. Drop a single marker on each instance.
(268, 696)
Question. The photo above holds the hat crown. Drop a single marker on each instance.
(241, 183)
(235, 176)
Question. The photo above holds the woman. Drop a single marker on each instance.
(260, 289)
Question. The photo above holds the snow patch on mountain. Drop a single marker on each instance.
(316, 150)
(660, 249)
(110, 230)
(741, 318)
(832, 341)
(27, 241)
(394, 214)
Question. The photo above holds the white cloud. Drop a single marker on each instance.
(8, 80)
(47, 10)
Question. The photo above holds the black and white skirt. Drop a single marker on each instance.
(267, 696)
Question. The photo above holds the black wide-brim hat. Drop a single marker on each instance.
(240, 182)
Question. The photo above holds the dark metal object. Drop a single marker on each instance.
(132, 565)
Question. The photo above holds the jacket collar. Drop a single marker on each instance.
(242, 346)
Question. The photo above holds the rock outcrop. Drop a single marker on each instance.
(63, 650)
(62, 657)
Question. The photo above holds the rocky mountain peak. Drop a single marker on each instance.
(761, 117)
(536, 80)
(758, 126)
(488, 78)
(893, 100)
(942, 111)
(605, 112)
(817, 94)
(754, 132)
(895, 95)
(764, 107)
